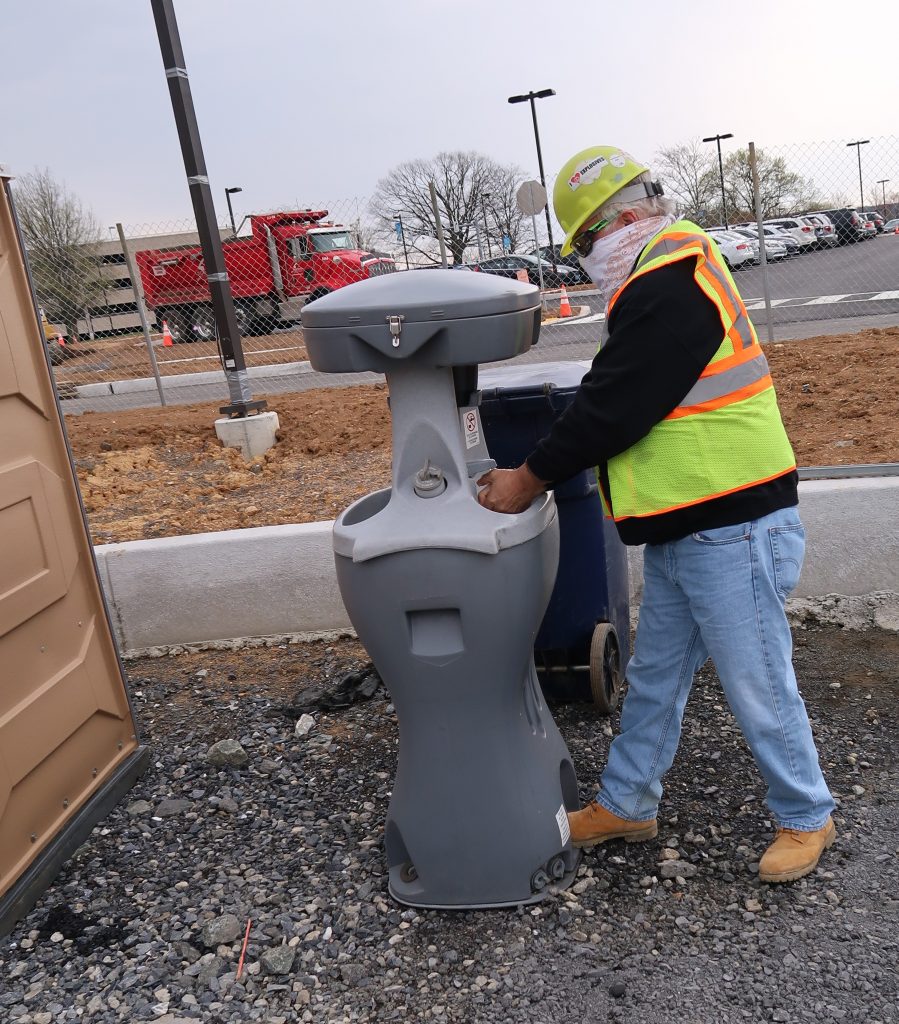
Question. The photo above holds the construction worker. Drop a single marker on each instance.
(679, 415)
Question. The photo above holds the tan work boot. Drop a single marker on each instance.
(794, 854)
(594, 824)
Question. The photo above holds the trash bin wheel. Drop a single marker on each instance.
(605, 668)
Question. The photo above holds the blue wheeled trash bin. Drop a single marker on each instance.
(583, 646)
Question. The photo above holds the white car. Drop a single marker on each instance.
(736, 249)
(774, 248)
(800, 228)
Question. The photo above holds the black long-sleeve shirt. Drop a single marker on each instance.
(662, 333)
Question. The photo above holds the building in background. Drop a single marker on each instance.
(117, 313)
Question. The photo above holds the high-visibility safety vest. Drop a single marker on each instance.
(726, 433)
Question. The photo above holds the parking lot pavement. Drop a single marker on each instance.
(148, 917)
(847, 281)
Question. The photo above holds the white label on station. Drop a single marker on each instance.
(471, 427)
(562, 822)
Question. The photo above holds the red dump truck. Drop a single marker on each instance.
(290, 258)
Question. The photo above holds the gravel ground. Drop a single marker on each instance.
(146, 921)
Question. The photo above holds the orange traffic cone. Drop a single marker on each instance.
(166, 335)
(564, 304)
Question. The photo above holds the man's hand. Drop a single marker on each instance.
(509, 490)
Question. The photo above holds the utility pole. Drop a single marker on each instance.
(229, 342)
(883, 184)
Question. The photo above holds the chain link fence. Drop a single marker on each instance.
(824, 246)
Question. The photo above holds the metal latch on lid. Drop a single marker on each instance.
(395, 323)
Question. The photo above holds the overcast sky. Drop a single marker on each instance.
(313, 102)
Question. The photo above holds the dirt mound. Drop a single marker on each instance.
(162, 472)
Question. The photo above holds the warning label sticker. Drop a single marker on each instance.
(562, 822)
(471, 427)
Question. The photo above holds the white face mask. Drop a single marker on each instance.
(612, 256)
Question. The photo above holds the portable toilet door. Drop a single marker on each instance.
(69, 747)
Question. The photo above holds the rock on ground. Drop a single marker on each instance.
(145, 922)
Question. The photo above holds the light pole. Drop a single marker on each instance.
(484, 199)
(717, 139)
(228, 193)
(883, 184)
(530, 97)
(861, 188)
(402, 234)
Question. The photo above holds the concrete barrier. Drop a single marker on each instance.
(852, 538)
(217, 586)
(280, 581)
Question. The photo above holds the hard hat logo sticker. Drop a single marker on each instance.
(587, 172)
(617, 160)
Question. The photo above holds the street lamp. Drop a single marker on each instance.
(861, 188)
(401, 231)
(717, 139)
(883, 184)
(228, 193)
(530, 97)
(484, 197)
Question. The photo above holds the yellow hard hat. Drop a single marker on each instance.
(589, 179)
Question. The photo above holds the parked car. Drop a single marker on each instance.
(825, 235)
(870, 228)
(801, 229)
(846, 222)
(737, 250)
(892, 225)
(877, 218)
(450, 266)
(508, 266)
(785, 238)
(775, 248)
(570, 260)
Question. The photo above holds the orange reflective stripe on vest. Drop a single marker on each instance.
(726, 433)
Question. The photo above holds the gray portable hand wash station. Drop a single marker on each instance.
(447, 596)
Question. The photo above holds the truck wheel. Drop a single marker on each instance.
(266, 323)
(255, 318)
(244, 317)
(605, 669)
(202, 324)
(318, 294)
(178, 324)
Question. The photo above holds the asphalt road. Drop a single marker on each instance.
(829, 292)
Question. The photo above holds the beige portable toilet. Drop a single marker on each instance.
(69, 747)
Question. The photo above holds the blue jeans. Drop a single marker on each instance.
(719, 594)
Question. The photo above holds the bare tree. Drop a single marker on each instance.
(781, 190)
(370, 236)
(505, 222)
(61, 237)
(688, 172)
(468, 184)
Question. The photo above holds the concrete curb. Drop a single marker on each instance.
(278, 583)
(186, 380)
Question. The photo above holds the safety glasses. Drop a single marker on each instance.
(583, 243)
